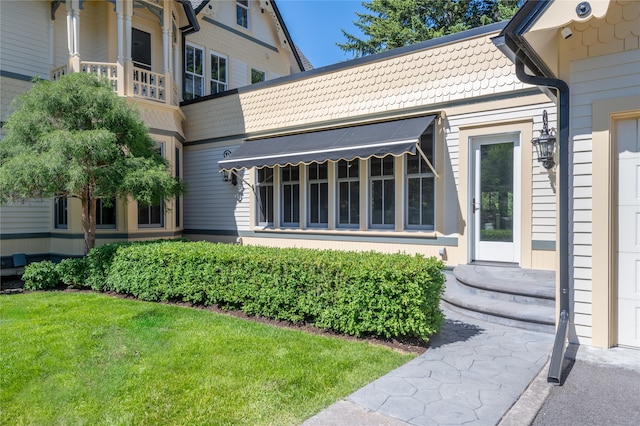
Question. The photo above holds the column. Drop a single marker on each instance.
(121, 40)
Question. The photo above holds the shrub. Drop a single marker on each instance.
(390, 295)
(40, 276)
(73, 271)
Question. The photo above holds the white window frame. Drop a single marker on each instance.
(319, 182)
(245, 9)
(218, 82)
(193, 74)
(265, 191)
(294, 200)
(381, 178)
(256, 70)
(349, 179)
(424, 172)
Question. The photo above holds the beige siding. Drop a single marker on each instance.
(24, 35)
(427, 78)
(592, 79)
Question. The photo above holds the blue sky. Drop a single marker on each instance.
(315, 27)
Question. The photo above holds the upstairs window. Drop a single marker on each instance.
(193, 72)
(242, 13)
(141, 49)
(218, 73)
(257, 76)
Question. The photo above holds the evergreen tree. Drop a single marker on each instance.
(394, 23)
(77, 138)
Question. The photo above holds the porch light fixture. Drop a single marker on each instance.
(544, 144)
(227, 175)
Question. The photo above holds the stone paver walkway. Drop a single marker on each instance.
(471, 375)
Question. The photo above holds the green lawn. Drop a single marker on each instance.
(84, 358)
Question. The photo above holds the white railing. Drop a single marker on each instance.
(148, 85)
(56, 73)
(104, 69)
(144, 84)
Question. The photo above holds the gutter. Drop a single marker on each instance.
(515, 47)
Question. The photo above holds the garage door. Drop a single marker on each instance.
(628, 251)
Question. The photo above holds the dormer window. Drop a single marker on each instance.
(242, 13)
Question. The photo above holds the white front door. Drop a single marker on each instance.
(628, 251)
(495, 199)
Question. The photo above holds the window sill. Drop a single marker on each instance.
(352, 232)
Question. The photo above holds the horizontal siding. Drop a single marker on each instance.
(602, 77)
(24, 34)
(28, 217)
(211, 203)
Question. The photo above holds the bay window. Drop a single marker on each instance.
(382, 191)
(290, 190)
(348, 193)
(318, 194)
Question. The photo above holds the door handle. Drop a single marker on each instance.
(474, 206)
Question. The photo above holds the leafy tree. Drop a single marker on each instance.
(394, 23)
(77, 138)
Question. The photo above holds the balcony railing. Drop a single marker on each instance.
(144, 84)
(148, 85)
(103, 69)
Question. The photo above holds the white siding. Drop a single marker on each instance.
(210, 203)
(24, 35)
(592, 79)
(28, 217)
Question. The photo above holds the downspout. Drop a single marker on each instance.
(557, 354)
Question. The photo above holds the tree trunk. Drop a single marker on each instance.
(88, 220)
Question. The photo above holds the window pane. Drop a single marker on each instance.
(376, 166)
(296, 203)
(413, 164)
(376, 202)
(342, 169)
(426, 144)
(222, 76)
(427, 201)
(295, 173)
(324, 202)
(343, 190)
(322, 171)
(314, 208)
(353, 168)
(354, 188)
(214, 68)
(389, 201)
(387, 165)
(189, 56)
(287, 216)
(414, 201)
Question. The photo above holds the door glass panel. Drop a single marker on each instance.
(496, 192)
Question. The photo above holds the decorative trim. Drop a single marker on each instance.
(239, 33)
(543, 245)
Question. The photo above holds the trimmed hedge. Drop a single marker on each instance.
(390, 295)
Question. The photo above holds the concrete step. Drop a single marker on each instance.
(508, 296)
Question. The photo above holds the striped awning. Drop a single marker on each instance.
(396, 138)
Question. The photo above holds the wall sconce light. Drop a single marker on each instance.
(545, 143)
(229, 175)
